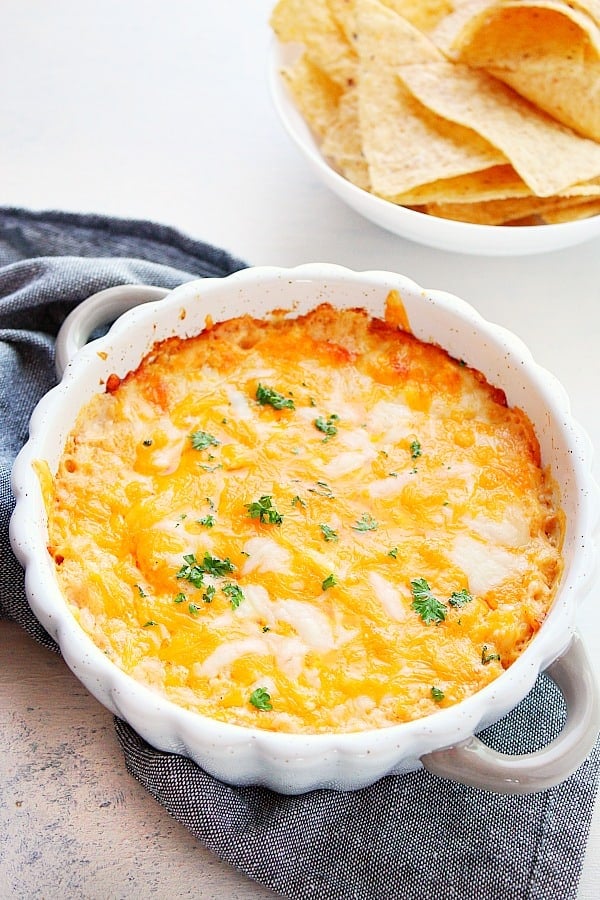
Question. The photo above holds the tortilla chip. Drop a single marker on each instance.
(315, 94)
(498, 212)
(342, 144)
(545, 50)
(404, 144)
(493, 183)
(423, 14)
(310, 23)
(573, 213)
(548, 156)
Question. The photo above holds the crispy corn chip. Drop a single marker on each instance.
(309, 22)
(404, 144)
(547, 51)
(573, 213)
(547, 156)
(316, 95)
(493, 183)
(342, 143)
(423, 14)
(498, 212)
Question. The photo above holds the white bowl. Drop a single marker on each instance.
(294, 763)
(444, 234)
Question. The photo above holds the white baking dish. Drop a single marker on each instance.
(445, 742)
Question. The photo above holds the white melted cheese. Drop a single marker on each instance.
(265, 555)
(388, 596)
(486, 564)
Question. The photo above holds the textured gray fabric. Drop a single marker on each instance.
(409, 837)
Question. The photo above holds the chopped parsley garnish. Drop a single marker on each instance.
(194, 609)
(437, 694)
(202, 439)
(141, 591)
(327, 426)
(194, 572)
(261, 699)
(460, 598)
(209, 593)
(267, 396)
(393, 553)
(328, 533)
(191, 571)
(429, 608)
(212, 565)
(415, 449)
(263, 510)
(298, 501)
(322, 489)
(235, 594)
(265, 628)
(149, 623)
(488, 657)
(179, 598)
(366, 523)
(208, 521)
(329, 582)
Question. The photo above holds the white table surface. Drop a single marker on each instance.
(160, 109)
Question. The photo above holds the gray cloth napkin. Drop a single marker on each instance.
(408, 837)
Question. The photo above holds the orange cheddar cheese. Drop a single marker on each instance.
(306, 524)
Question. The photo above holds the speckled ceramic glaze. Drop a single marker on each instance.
(443, 742)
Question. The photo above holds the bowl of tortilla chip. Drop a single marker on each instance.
(472, 126)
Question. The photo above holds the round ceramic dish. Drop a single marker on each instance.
(444, 234)
(443, 742)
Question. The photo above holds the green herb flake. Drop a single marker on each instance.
(261, 699)
(179, 598)
(329, 582)
(460, 598)
(437, 694)
(149, 623)
(425, 604)
(267, 396)
(265, 628)
(415, 449)
(328, 533)
(194, 572)
(486, 657)
(298, 501)
(147, 442)
(322, 489)
(208, 521)
(212, 565)
(191, 571)
(393, 553)
(366, 523)
(209, 593)
(194, 609)
(235, 594)
(263, 510)
(202, 439)
(327, 426)
(141, 591)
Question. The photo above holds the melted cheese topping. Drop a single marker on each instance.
(388, 462)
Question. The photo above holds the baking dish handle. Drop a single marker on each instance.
(101, 308)
(474, 763)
